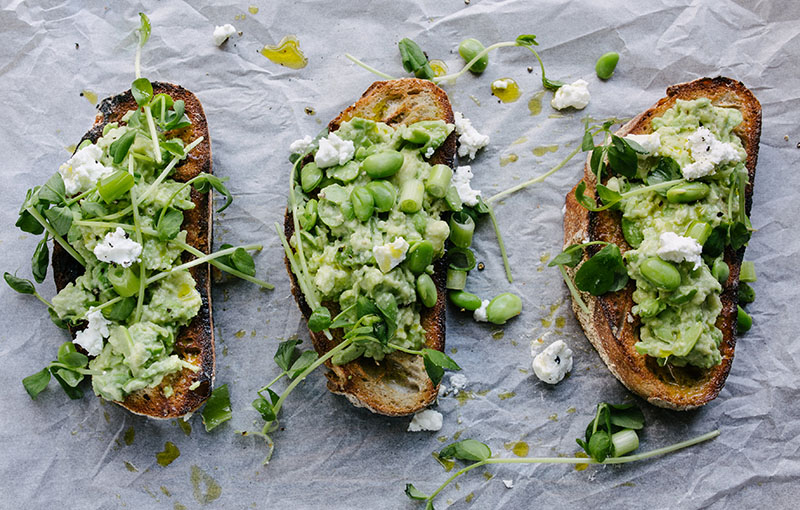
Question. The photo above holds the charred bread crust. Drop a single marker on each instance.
(609, 325)
(398, 385)
(195, 342)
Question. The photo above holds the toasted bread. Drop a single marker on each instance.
(195, 342)
(608, 324)
(398, 385)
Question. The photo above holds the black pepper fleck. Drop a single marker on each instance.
(481, 266)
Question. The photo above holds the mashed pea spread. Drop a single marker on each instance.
(370, 209)
(693, 140)
(132, 338)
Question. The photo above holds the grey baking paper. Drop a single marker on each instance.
(88, 454)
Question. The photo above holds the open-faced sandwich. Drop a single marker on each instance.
(674, 201)
(367, 228)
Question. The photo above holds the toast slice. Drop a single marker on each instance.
(398, 385)
(195, 342)
(608, 324)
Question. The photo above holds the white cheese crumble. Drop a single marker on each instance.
(116, 247)
(469, 140)
(301, 144)
(91, 338)
(82, 171)
(222, 32)
(575, 95)
(553, 363)
(389, 255)
(708, 152)
(458, 382)
(426, 420)
(650, 142)
(429, 152)
(480, 314)
(509, 484)
(501, 84)
(443, 390)
(677, 248)
(461, 180)
(334, 151)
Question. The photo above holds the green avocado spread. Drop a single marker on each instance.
(132, 324)
(358, 245)
(678, 317)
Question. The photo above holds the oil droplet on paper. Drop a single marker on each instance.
(544, 149)
(212, 488)
(253, 9)
(447, 464)
(581, 467)
(439, 67)
(511, 158)
(506, 90)
(518, 448)
(286, 53)
(130, 434)
(169, 454)
(89, 95)
(535, 103)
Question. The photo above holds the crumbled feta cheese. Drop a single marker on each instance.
(221, 33)
(429, 152)
(708, 152)
(426, 420)
(480, 314)
(469, 140)
(301, 145)
(82, 171)
(575, 95)
(461, 180)
(677, 248)
(458, 382)
(389, 255)
(509, 484)
(443, 390)
(553, 363)
(651, 142)
(334, 151)
(501, 84)
(91, 338)
(116, 247)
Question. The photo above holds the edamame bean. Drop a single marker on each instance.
(606, 64)
(503, 307)
(350, 353)
(461, 229)
(650, 307)
(660, 273)
(347, 210)
(746, 293)
(383, 195)
(411, 196)
(416, 135)
(465, 300)
(469, 49)
(383, 164)
(743, 321)
(419, 257)
(426, 290)
(363, 203)
(633, 236)
(699, 231)
(720, 270)
(310, 177)
(124, 280)
(309, 217)
(438, 180)
(682, 296)
(687, 192)
(456, 280)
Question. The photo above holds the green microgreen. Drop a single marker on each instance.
(603, 272)
(217, 409)
(40, 259)
(414, 59)
(69, 370)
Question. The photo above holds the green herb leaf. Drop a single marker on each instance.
(120, 147)
(243, 262)
(170, 224)
(144, 29)
(70, 377)
(207, 181)
(570, 257)
(622, 158)
(36, 383)
(414, 493)
(58, 321)
(434, 371)
(414, 59)
(607, 195)
(69, 355)
(60, 218)
(73, 392)
(306, 359)
(93, 209)
(587, 144)
(468, 449)
(20, 285)
(142, 91)
(667, 169)
(599, 445)
(27, 223)
(635, 146)
(264, 408)
(53, 190)
(287, 354)
(597, 160)
(552, 84)
(440, 359)
(626, 416)
(320, 319)
(527, 40)
(121, 310)
(173, 147)
(738, 235)
(586, 201)
(218, 408)
(40, 259)
(603, 272)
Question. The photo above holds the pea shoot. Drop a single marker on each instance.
(603, 447)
